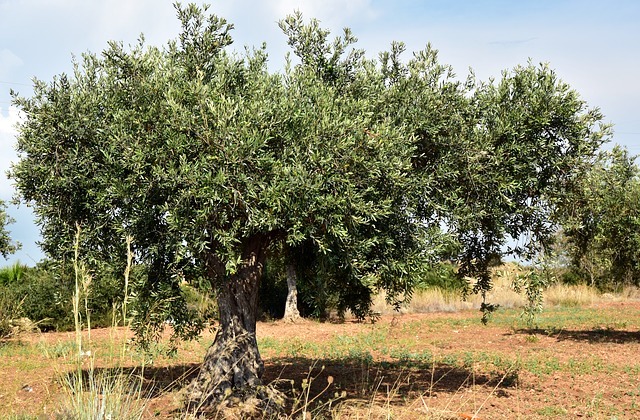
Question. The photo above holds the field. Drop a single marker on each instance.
(580, 362)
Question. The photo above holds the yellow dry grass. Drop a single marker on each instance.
(439, 300)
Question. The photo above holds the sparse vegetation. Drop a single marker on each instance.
(433, 366)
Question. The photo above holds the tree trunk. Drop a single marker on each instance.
(291, 313)
(232, 368)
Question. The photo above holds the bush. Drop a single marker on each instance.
(570, 277)
(12, 274)
(443, 276)
(46, 298)
(200, 299)
(46, 291)
(10, 310)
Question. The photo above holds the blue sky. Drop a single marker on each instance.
(593, 45)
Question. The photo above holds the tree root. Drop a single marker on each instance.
(248, 403)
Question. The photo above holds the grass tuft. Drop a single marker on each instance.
(89, 393)
(102, 396)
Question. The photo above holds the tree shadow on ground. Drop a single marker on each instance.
(351, 379)
(156, 380)
(596, 335)
(393, 383)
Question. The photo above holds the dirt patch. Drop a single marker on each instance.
(579, 362)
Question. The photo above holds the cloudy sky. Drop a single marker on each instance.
(593, 45)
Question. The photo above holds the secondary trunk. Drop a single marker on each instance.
(232, 366)
(291, 313)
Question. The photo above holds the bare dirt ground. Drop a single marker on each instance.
(578, 363)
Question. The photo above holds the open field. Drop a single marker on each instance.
(578, 362)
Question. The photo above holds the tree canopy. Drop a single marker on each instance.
(210, 161)
(601, 221)
(7, 246)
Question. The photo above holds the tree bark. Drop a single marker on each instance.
(291, 313)
(232, 366)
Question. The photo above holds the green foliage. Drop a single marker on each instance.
(6, 245)
(532, 282)
(44, 298)
(494, 159)
(12, 274)
(569, 276)
(47, 299)
(601, 222)
(207, 159)
(531, 140)
(200, 300)
(442, 275)
(44, 294)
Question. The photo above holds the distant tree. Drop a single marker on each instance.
(529, 142)
(495, 160)
(210, 162)
(291, 312)
(601, 221)
(7, 246)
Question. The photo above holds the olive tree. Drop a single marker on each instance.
(208, 161)
(530, 140)
(495, 160)
(211, 162)
(601, 221)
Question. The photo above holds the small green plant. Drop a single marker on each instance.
(411, 358)
(12, 274)
(61, 349)
(552, 411)
(532, 283)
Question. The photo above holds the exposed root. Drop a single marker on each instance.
(249, 403)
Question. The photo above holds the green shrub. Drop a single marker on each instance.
(443, 276)
(46, 298)
(570, 277)
(46, 292)
(10, 309)
(12, 274)
(200, 299)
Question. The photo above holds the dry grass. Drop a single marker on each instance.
(439, 300)
(571, 295)
(90, 393)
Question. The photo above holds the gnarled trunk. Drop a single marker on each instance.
(291, 313)
(232, 365)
